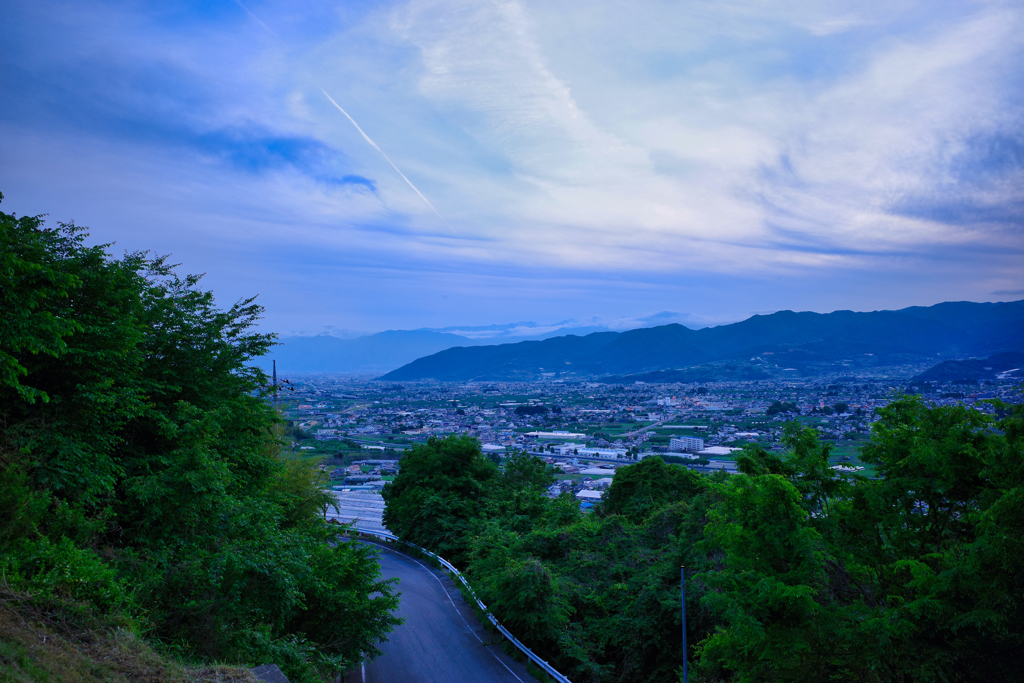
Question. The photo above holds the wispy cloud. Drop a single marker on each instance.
(386, 158)
(596, 160)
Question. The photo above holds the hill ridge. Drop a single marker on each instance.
(805, 339)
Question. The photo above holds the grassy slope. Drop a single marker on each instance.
(47, 643)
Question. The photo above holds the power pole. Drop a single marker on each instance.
(275, 383)
(682, 585)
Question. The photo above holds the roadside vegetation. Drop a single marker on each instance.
(793, 573)
(144, 495)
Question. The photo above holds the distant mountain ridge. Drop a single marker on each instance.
(384, 351)
(373, 353)
(974, 370)
(767, 345)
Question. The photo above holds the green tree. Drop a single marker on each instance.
(516, 585)
(943, 525)
(782, 407)
(783, 588)
(914, 575)
(30, 277)
(763, 584)
(517, 496)
(439, 493)
(141, 469)
(638, 490)
(531, 410)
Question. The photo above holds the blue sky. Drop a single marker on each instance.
(609, 162)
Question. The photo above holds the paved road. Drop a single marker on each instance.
(653, 425)
(441, 640)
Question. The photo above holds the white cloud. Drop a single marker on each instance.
(619, 146)
(891, 133)
(683, 171)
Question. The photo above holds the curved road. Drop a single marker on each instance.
(441, 640)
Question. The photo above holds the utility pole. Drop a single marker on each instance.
(275, 383)
(682, 585)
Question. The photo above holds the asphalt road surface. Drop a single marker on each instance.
(441, 640)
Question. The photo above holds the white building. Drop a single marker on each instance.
(717, 451)
(605, 453)
(556, 435)
(685, 443)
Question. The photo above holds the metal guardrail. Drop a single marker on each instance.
(548, 669)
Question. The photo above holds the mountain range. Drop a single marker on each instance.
(384, 351)
(974, 370)
(780, 344)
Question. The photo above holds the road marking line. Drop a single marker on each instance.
(449, 598)
(389, 550)
(464, 619)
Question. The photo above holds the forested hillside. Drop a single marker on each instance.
(794, 573)
(757, 347)
(142, 486)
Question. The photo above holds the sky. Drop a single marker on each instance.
(364, 166)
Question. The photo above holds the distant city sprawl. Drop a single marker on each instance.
(577, 426)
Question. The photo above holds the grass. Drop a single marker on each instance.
(851, 451)
(51, 642)
(537, 672)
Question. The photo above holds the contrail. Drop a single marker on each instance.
(361, 132)
(239, 3)
(374, 145)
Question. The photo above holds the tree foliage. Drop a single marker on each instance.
(441, 488)
(532, 410)
(141, 470)
(782, 407)
(795, 572)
